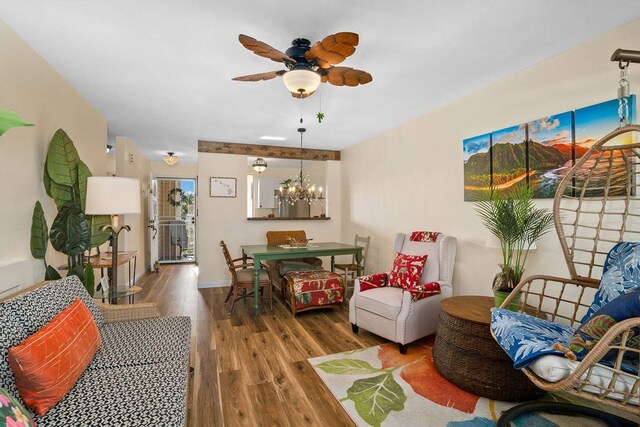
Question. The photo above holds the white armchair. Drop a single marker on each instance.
(391, 312)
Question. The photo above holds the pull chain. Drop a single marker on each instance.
(623, 95)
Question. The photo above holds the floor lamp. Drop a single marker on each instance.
(108, 195)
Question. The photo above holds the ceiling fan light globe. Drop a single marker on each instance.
(301, 81)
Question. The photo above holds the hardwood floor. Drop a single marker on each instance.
(253, 371)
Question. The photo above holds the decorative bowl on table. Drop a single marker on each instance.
(302, 243)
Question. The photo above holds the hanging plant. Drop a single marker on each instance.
(320, 114)
(176, 197)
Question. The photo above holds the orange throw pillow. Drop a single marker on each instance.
(48, 363)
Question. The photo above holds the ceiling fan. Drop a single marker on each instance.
(308, 65)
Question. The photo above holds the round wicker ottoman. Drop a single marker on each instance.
(466, 354)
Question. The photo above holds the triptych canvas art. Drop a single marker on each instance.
(539, 152)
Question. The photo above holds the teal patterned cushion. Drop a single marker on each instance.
(590, 332)
(12, 413)
(621, 275)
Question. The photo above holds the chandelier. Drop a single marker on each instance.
(300, 187)
(171, 158)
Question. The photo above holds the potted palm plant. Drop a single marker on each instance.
(517, 223)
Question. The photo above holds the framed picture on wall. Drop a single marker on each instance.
(477, 166)
(220, 186)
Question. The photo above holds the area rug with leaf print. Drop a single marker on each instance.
(378, 386)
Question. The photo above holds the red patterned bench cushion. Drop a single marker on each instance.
(315, 288)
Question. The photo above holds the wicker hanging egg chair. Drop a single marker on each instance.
(596, 206)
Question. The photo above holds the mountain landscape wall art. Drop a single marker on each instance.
(541, 152)
(594, 122)
(477, 166)
(508, 157)
(551, 152)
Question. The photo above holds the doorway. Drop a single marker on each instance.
(174, 236)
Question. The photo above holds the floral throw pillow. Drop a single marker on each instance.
(424, 290)
(12, 413)
(590, 332)
(407, 270)
(373, 281)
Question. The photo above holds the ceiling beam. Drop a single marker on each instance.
(266, 151)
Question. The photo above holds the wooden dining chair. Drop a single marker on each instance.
(242, 278)
(350, 269)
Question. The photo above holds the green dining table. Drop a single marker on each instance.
(261, 253)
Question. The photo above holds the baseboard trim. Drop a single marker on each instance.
(214, 284)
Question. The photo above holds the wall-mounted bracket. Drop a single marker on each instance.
(626, 56)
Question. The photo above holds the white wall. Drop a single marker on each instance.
(417, 183)
(179, 170)
(137, 239)
(32, 88)
(226, 218)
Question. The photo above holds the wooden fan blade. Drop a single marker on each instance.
(263, 49)
(261, 76)
(347, 76)
(323, 64)
(333, 49)
(302, 95)
(349, 38)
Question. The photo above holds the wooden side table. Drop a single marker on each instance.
(124, 257)
(104, 261)
(466, 354)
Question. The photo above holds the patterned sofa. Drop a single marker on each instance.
(138, 377)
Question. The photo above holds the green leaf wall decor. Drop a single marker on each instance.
(39, 233)
(70, 231)
(81, 183)
(89, 278)
(61, 194)
(62, 159)
(10, 120)
(51, 274)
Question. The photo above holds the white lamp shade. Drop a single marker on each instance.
(110, 195)
(301, 81)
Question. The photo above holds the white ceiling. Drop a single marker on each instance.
(160, 71)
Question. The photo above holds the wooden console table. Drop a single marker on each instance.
(466, 354)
